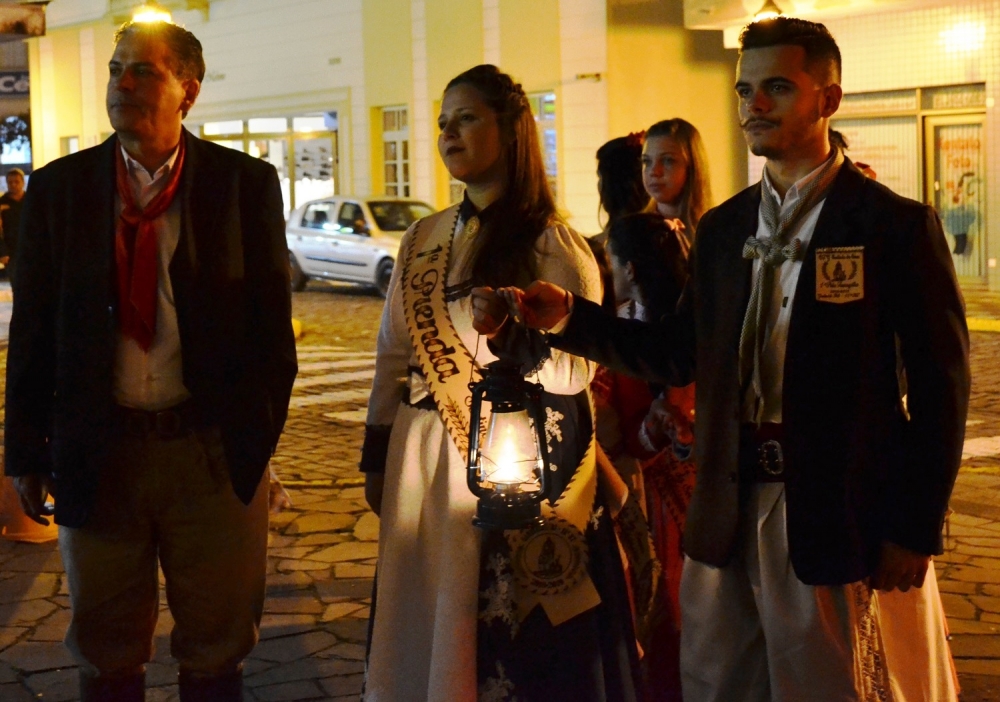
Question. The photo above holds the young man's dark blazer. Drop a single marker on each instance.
(231, 290)
(859, 470)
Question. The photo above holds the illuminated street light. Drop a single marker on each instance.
(769, 10)
(964, 36)
(150, 12)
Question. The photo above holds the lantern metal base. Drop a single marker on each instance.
(501, 512)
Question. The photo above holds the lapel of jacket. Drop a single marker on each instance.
(836, 227)
(104, 214)
(198, 219)
(740, 270)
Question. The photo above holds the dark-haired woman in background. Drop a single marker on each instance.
(619, 178)
(675, 173)
(457, 615)
(648, 263)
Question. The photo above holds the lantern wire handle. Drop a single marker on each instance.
(472, 368)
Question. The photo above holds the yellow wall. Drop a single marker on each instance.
(388, 61)
(658, 70)
(388, 52)
(529, 42)
(454, 41)
(454, 44)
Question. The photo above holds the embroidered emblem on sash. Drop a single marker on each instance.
(549, 559)
(840, 274)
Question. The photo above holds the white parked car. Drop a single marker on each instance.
(351, 239)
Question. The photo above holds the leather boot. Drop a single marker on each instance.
(227, 687)
(113, 688)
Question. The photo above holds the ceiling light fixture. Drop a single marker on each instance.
(769, 10)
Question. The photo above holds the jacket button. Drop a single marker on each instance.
(732, 477)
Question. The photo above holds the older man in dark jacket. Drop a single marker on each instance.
(150, 365)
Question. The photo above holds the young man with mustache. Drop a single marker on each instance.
(820, 497)
(150, 365)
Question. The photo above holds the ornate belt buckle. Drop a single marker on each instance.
(771, 458)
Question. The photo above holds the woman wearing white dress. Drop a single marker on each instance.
(453, 619)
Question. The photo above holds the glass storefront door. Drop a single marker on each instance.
(956, 187)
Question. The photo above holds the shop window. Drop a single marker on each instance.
(543, 107)
(302, 148)
(396, 151)
(67, 146)
(928, 143)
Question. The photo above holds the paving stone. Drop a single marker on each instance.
(280, 582)
(987, 604)
(312, 668)
(322, 539)
(273, 625)
(290, 552)
(337, 507)
(15, 693)
(367, 527)
(25, 613)
(343, 685)
(353, 570)
(340, 609)
(160, 674)
(957, 606)
(965, 626)
(281, 519)
(978, 666)
(33, 656)
(38, 558)
(958, 587)
(292, 648)
(291, 566)
(290, 692)
(56, 685)
(352, 493)
(971, 646)
(348, 551)
(330, 590)
(346, 651)
(349, 630)
(311, 523)
(971, 574)
(28, 586)
(292, 605)
(7, 674)
(162, 694)
(10, 634)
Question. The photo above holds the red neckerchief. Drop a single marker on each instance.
(136, 252)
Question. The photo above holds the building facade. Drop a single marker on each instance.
(342, 95)
(921, 81)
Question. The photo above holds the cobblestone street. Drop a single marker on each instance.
(323, 550)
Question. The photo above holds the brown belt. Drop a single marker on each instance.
(762, 458)
(169, 423)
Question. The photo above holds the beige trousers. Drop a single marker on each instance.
(753, 632)
(167, 502)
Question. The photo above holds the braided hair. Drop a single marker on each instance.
(504, 246)
(647, 242)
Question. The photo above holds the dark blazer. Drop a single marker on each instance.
(231, 289)
(859, 470)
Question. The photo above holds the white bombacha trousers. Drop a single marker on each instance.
(752, 631)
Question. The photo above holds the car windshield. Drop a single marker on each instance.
(398, 215)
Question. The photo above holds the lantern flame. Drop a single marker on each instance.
(510, 450)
